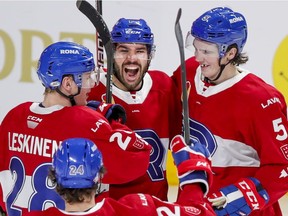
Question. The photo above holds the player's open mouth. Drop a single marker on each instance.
(131, 73)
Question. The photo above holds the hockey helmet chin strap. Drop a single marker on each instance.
(222, 67)
(70, 97)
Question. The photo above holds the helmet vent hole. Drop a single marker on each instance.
(147, 36)
(85, 152)
(49, 72)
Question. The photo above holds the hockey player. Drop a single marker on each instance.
(78, 169)
(149, 98)
(31, 132)
(244, 117)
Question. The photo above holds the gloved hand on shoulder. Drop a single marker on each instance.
(111, 111)
(240, 198)
(193, 163)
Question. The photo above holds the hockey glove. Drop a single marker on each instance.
(110, 111)
(193, 163)
(240, 198)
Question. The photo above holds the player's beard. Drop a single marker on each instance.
(130, 87)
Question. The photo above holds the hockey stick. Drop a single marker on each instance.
(99, 44)
(179, 37)
(101, 27)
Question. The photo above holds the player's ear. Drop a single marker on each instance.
(67, 83)
(231, 53)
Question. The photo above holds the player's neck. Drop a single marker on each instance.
(80, 207)
(229, 72)
(54, 98)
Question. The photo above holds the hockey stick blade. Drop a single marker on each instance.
(96, 19)
(179, 37)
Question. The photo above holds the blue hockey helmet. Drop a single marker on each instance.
(77, 163)
(221, 26)
(133, 31)
(64, 58)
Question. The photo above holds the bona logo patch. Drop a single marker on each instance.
(69, 51)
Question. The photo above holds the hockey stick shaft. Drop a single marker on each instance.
(101, 27)
(100, 57)
(99, 44)
(179, 37)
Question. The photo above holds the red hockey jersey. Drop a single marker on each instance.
(142, 204)
(243, 122)
(31, 134)
(154, 113)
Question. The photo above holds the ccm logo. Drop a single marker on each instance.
(249, 194)
(34, 118)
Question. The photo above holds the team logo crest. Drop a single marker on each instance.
(284, 150)
(192, 210)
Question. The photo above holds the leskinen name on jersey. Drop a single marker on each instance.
(32, 144)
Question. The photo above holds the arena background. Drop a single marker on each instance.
(27, 27)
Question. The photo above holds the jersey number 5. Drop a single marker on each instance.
(278, 127)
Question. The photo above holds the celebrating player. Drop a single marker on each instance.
(78, 169)
(149, 98)
(31, 132)
(244, 117)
